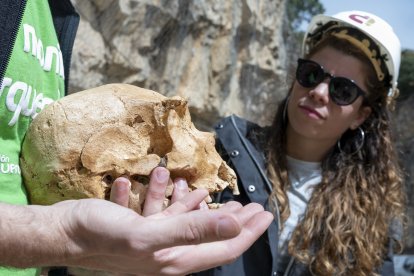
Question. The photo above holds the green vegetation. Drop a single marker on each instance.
(406, 77)
(302, 11)
(299, 14)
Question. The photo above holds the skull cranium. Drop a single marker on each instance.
(78, 145)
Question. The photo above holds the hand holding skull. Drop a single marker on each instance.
(80, 144)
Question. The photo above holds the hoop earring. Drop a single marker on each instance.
(356, 147)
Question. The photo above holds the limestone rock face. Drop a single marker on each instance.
(78, 145)
(226, 57)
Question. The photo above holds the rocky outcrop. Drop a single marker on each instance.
(223, 56)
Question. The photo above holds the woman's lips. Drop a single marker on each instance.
(311, 112)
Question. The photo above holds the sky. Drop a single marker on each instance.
(398, 13)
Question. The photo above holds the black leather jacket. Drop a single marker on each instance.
(239, 143)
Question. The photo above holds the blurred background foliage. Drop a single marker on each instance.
(406, 78)
(300, 12)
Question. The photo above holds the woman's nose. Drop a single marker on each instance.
(320, 93)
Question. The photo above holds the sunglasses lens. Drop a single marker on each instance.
(343, 91)
(309, 74)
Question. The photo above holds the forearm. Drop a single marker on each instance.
(31, 236)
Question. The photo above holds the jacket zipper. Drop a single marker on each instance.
(9, 47)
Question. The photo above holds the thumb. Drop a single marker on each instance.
(195, 227)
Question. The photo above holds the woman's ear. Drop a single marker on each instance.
(363, 114)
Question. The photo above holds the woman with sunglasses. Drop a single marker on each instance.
(327, 166)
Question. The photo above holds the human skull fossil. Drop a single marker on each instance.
(79, 144)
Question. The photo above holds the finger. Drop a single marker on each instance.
(203, 205)
(225, 251)
(243, 213)
(231, 206)
(156, 191)
(120, 191)
(189, 202)
(180, 189)
(231, 249)
(193, 227)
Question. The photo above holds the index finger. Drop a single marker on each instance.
(154, 199)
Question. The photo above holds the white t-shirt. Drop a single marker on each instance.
(303, 177)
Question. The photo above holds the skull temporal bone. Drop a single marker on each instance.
(79, 144)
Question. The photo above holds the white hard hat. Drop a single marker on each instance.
(379, 31)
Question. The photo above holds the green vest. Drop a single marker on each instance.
(33, 79)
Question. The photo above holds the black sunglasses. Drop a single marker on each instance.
(342, 91)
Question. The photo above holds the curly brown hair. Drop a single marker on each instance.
(345, 230)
